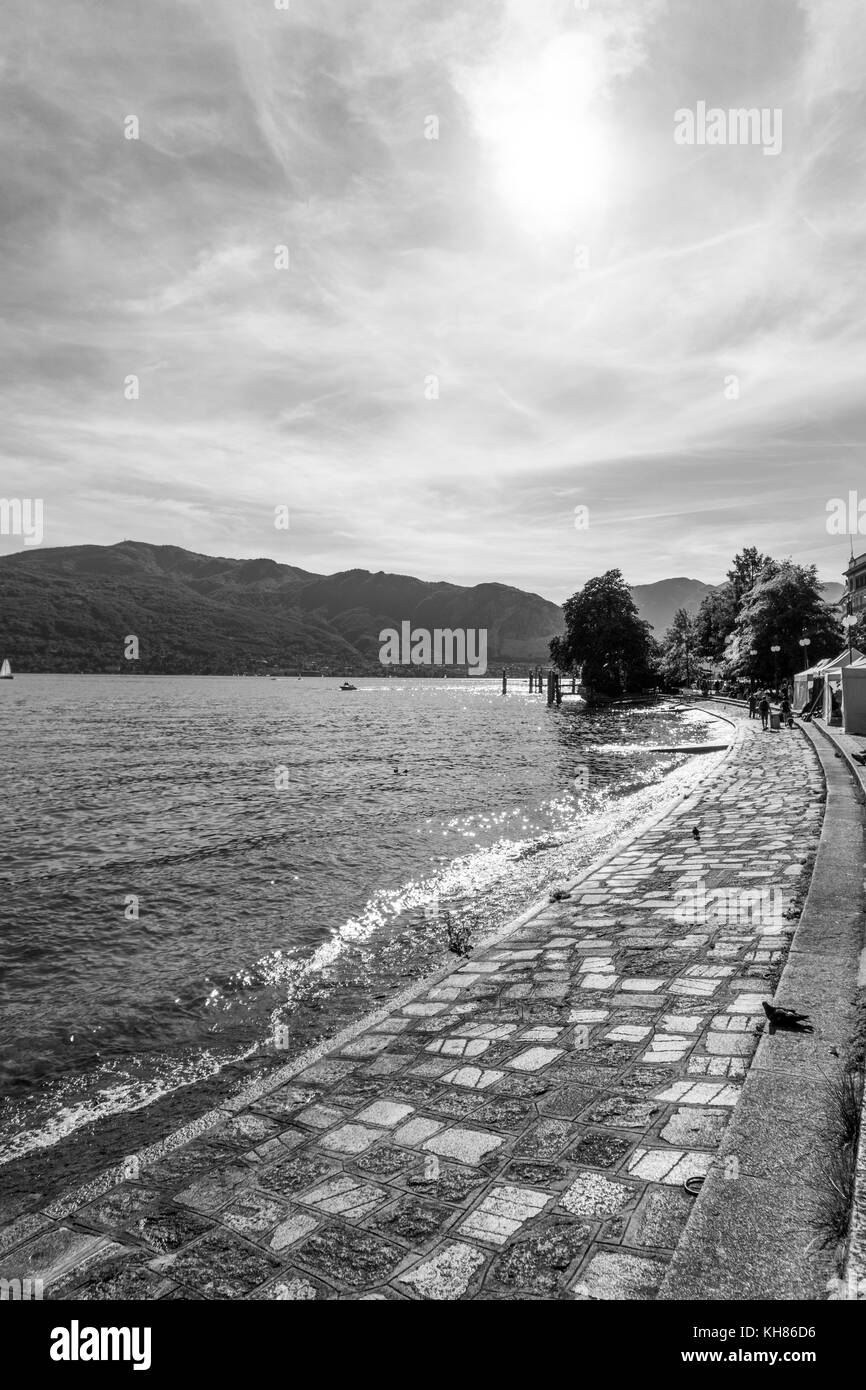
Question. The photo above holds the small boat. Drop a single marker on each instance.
(6, 671)
(347, 686)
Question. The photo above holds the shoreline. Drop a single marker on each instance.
(229, 1087)
(251, 1100)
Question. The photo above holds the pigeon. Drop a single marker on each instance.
(786, 1019)
(459, 938)
(559, 894)
(696, 833)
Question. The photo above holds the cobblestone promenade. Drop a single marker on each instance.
(524, 1128)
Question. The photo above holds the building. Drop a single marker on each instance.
(855, 584)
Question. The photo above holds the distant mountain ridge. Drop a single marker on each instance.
(658, 602)
(70, 609)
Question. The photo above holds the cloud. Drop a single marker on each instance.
(544, 306)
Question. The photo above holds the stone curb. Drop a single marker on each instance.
(854, 1274)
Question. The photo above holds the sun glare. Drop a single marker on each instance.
(549, 152)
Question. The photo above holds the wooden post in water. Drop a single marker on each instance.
(530, 682)
(558, 679)
(504, 682)
(573, 688)
(550, 680)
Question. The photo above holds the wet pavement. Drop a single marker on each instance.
(533, 1125)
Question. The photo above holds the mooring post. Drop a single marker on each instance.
(550, 687)
(573, 690)
(558, 680)
(504, 682)
(530, 682)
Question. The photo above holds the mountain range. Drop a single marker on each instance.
(72, 608)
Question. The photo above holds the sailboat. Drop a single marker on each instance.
(6, 671)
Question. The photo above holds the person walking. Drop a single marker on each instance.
(753, 705)
(785, 711)
(765, 711)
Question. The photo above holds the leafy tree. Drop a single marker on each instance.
(606, 637)
(714, 622)
(717, 616)
(858, 631)
(679, 653)
(748, 567)
(783, 606)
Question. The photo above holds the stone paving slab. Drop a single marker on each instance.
(522, 1127)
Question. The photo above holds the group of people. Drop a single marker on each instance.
(760, 703)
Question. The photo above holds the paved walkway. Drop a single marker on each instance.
(524, 1127)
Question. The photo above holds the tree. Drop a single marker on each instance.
(783, 606)
(679, 651)
(858, 631)
(748, 567)
(606, 637)
(714, 622)
(717, 616)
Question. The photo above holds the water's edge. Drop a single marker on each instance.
(38, 1177)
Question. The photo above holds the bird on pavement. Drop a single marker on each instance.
(459, 938)
(787, 1019)
(696, 833)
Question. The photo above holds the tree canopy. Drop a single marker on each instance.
(782, 606)
(679, 651)
(606, 638)
(762, 603)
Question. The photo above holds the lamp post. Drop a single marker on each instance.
(805, 642)
(849, 621)
(753, 652)
(775, 649)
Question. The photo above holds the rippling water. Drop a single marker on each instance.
(294, 852)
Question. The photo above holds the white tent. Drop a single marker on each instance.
(804, 684)
(829, 672)
(854, 697)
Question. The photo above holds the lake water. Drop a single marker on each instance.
(292, 854)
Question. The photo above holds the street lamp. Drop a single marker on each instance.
(753, 652)
(775, 649)
(849, 621)
(805, 642)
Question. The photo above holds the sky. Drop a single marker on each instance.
(506, 290)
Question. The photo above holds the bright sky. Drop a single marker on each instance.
(566, 376)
